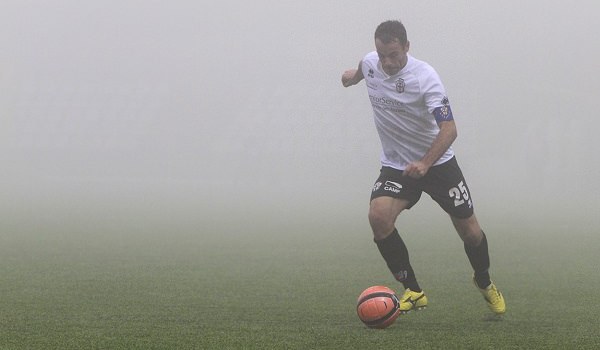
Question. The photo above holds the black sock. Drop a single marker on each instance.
(394, 252)
(480, 261)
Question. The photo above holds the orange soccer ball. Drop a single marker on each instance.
(378, 307)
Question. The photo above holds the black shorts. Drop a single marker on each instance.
(445, 184)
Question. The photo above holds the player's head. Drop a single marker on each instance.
(392, 30)
(392, 46)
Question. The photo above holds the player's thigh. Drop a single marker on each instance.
(383, 212)
(392, 193)
(387, 208)
(446, 184)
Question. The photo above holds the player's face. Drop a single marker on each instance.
(393, 55)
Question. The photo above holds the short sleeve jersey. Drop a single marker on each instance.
(403, 106)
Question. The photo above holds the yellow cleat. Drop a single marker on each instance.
(412, 301)
(494, 298)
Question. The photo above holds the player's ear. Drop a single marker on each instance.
(407, 46)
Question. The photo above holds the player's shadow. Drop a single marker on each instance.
(492, 318)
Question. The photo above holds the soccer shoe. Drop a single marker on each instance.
(494, 298)
(412, 301)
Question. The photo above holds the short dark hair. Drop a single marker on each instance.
(389, 31)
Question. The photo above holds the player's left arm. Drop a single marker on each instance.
(442, 142)
(440, 145)
(436, 99)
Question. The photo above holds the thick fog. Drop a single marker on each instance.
(192, 110)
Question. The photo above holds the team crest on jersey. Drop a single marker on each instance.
(371, 73)
(400, 85)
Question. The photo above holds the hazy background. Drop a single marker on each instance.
(196, 115)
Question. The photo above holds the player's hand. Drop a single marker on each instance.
(416, 170)
(349, 77)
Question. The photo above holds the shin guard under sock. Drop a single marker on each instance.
(480, 261)
(394, 252)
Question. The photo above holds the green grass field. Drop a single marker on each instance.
(261, 285)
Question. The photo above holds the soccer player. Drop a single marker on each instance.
(415, 124)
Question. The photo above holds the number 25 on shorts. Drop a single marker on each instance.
(460, 194)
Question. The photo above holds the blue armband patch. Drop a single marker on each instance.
(444, 113)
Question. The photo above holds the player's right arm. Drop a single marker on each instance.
(352, 76)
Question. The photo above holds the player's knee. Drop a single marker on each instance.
(381, 223)
(468, 230)
(472, 239)
(471, 235)
(377, 218)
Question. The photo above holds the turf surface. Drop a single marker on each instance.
(259, 285)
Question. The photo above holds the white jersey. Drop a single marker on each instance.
(403, 106)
